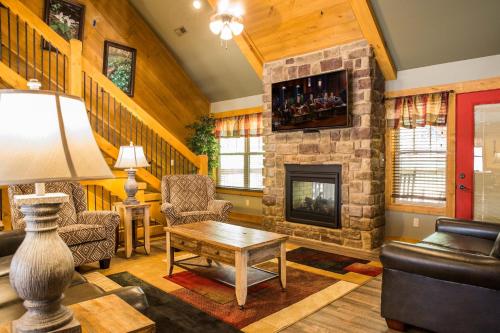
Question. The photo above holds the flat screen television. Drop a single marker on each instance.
(310, 103)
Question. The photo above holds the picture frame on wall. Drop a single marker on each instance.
(66, 18)
(119, 66)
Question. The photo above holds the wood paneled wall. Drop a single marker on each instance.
(162, 87)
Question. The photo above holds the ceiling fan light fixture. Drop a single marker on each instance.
(227, 22)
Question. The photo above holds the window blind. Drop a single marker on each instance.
(419, 165)
(241, 162)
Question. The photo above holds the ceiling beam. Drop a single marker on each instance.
(371, 31)
(247, 47)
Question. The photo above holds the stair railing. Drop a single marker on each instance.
(31, 49)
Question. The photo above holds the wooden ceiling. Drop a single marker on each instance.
(281, 28)
(276, 29)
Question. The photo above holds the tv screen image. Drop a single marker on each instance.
(319, 101)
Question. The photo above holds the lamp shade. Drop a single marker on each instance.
(46, 136)
(131, 157)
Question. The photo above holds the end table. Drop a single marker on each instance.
(130, 214)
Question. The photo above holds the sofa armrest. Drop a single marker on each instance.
(477, 229)
(110, 220)
(10, 241)
(451, 266)
(133, 295)
(220, 207)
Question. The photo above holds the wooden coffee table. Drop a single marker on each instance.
(230, 244)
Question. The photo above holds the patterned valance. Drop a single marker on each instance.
(245, 125)
(417, 111)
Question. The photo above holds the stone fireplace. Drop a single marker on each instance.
(357, 153)
(312, 194)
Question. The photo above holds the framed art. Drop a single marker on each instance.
(66, 17)
(119, 66)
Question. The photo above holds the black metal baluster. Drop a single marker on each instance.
(97, 108)
(109, 119)
(26, 50)
(161, 158)
(90, 99)
(50, 65)
(130, 127)
(64, 73)
(95, 197)
(156, 155)
(34, 54)
(170, 160)
(120, 117)
(102, 197)
(57, 70)
(136, 131)
(87, 190)
(102, 112)
(1, 39)
(114, 121)
(17, 43)
(85, 94)
(8, 34)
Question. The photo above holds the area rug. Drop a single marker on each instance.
(172, 314)
(262, 300)
(332, 262)
(199, 304)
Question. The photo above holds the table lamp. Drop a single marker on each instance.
(44, 136)
(131, 157)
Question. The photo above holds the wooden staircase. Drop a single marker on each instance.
(31, 49)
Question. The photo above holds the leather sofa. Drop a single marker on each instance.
(449, 282)
(80, 289)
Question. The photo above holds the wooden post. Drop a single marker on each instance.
(75, 68)
(203, 167)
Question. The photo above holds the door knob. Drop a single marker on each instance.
(462, 187)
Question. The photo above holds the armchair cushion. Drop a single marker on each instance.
(82, 233)
(458, 242)
(188, 192)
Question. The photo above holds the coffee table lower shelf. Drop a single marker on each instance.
(223, 273)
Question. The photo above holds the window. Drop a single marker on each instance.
(419, 165)
(241, 162)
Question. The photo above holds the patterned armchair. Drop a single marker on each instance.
(191, 198)
(91, 236)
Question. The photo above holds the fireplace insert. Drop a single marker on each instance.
(313, 194)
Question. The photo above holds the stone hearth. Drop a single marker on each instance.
(358, 149)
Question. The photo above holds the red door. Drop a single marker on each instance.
(465, 148)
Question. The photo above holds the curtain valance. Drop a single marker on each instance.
(244, 125)
(417, 111)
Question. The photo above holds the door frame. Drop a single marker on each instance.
(465, 103)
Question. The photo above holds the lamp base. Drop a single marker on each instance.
(131, 188)
(42, 267)
(131, 201)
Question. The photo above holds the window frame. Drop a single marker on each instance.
(246, 168)
(449, 208)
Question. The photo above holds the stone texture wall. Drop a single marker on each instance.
(359, 149)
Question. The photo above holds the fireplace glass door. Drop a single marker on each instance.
(313, 194)
(313, 197)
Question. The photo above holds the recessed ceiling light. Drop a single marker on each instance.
(197, 4)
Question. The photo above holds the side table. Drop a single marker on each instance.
(107, 314)
(130, 214)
